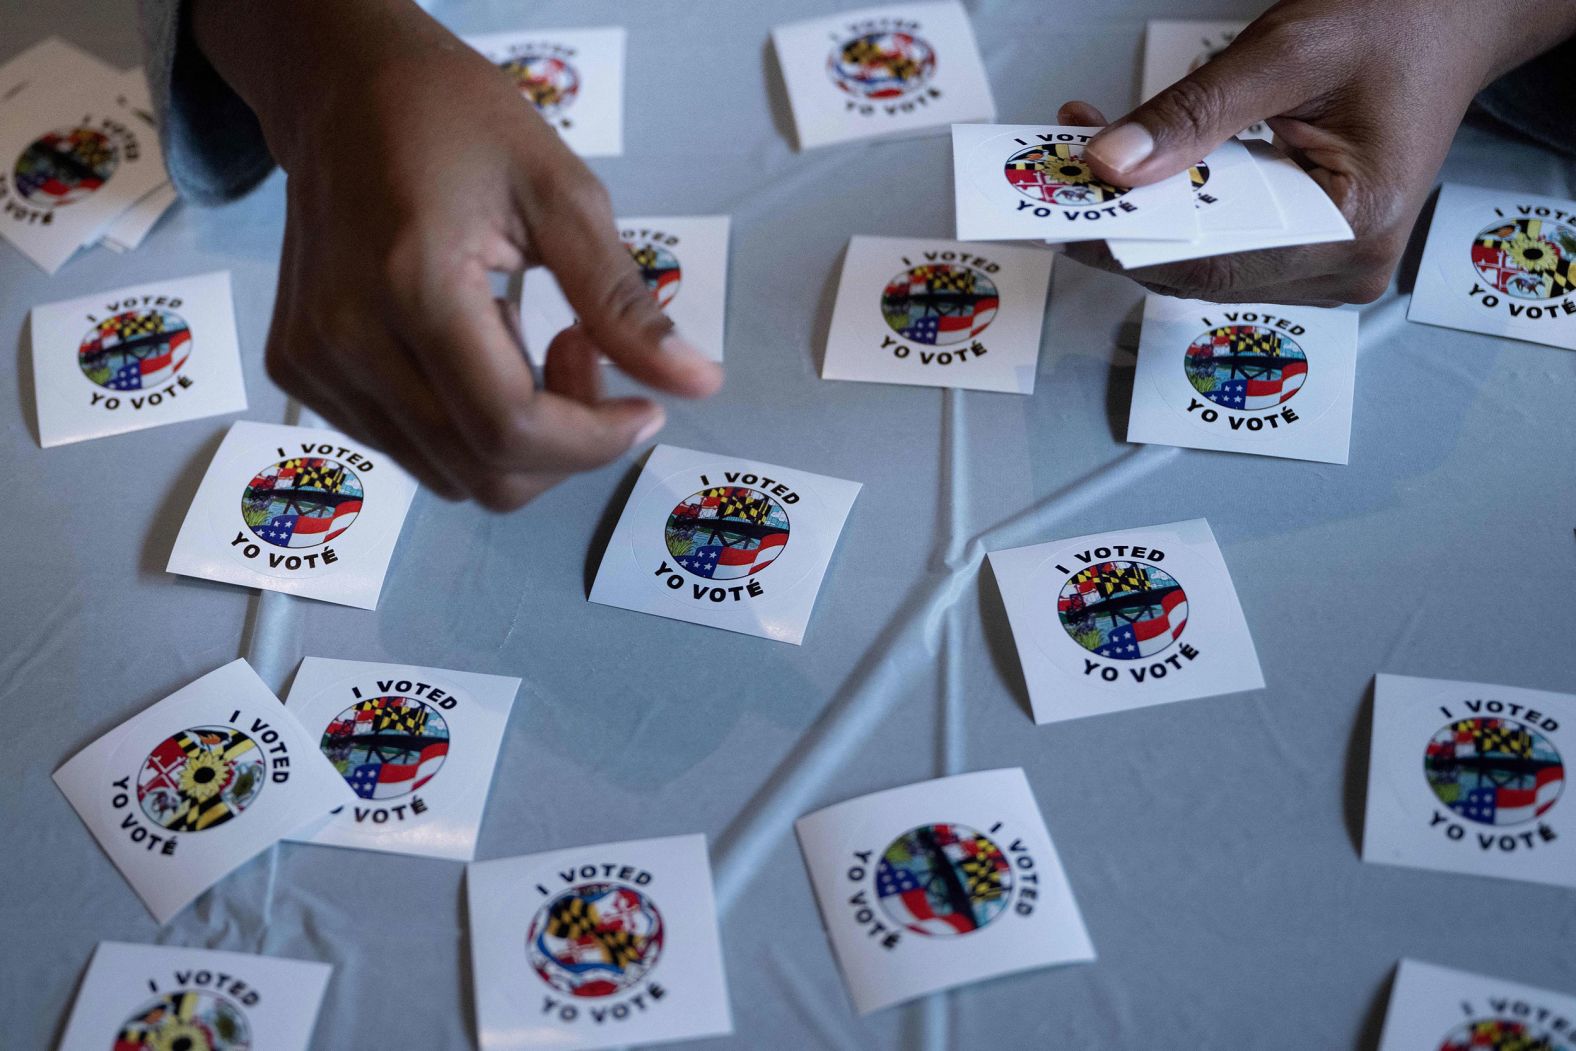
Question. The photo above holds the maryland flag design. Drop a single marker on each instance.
(1527, 258)
(1123, 610)
(943, 879)
(302, 502)
(659, 268)
(1246, 367)
(195, 1020)
(135, 350)
(387, 746)
(1057, 175)
(727, 532)
(200, 778)
(595, 940)
(1198, 176)
(885, 65)
(939, 304)
(1494, 771)
(545, 81)
(65, 166)
(1499, 1034)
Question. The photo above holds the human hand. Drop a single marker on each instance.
(415, 171)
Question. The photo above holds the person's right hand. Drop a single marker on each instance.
(415, 171)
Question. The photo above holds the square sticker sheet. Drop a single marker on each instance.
(880, 71)
(136, 357)
(574, 78)
(724, 541)
(1030, 182)
(1250, 377)
(1468, 777)
(301, 510)
(1125, 619)
(189, 789)
(416, 745)
(940, 884)
(1500, 263)
(599, 946)
(1173, 49)
(1436, 1008)
(157, 996)
(938, 314)
(684, 261)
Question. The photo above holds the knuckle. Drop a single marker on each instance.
(505, 492)
(1195, 103)
(626, 299)
(1213, 275)
(501, 436)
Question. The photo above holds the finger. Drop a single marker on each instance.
(1077, 114)
(574, 366)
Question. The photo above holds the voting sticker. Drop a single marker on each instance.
(189, 789)
(416, 745)
(1252, 378)
(1125, 619)
(1031, 182)
(136, 357)
(724, 541)
(939, 314)
(1468, 777)
(879, 71)
(1174, 49)
(301, 510)
(1435, 1008)
(574, 78)
(1500, 263)
(596, 947)
(170, 998)
(939, 884)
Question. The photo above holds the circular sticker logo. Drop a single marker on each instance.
(883, 65)
(595, 940)
(1123, 610)
(546, 81)
(200, 778)
(301, 502)
(387, 746)
(659, 268)
(727, 532)
(939, 304)
(189, 1021)
(943, 879)
(1494, 771)
(65, 166)
(1245, 367)
(135, 350)
(1198, 175)
(1526, 258)
(1498, 1034)
(1057, 175)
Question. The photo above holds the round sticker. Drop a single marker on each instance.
(1526, 258)
(1123, 610)
(387, 746)
(939, 304)
(1498, 1034)
(65, 166)
(595, 940)
(195, 1020)
(1245, 367)
(659, 268)
(200, 778)
(1057, 175)
(726, 532)
(135, 350)
(884, 65)
(547, 81)
(1494, 771)
(943, 879)
(301, 502)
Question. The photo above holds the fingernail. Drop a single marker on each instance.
(680, 347)
(653, 425)
(1123, 148)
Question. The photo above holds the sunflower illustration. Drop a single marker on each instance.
(204, 775)
(179, 1036)
(1074, 171)
(1530, 253)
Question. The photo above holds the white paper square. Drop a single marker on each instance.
(1173, 49)
(877, 71)
(144, 789)
(136, 357)
(1125, 619)
(416, 745)
(937, 313)
(132, 226)
(1502, 263)
(1439, 1009)
(574, 78)
(758, 575)
(1469, 777)
(1029, 182)
(684, 260)
(1251, 378)
(326, 513)
(536, 988)
(874, 859)
(153, 995)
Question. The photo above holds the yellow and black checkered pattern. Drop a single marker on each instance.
(743, 506)
(320, 476)
(949, 279)
(1108, 580)
(1509, 740)
(982, 876)
(1253, 341)
(863, 52)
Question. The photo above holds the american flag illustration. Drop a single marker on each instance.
(302, 502)
(1494, 771)
(943, 879)
(727, 532)
(939, 304)
(135, 350)
(386, 747)
(1123, 610)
